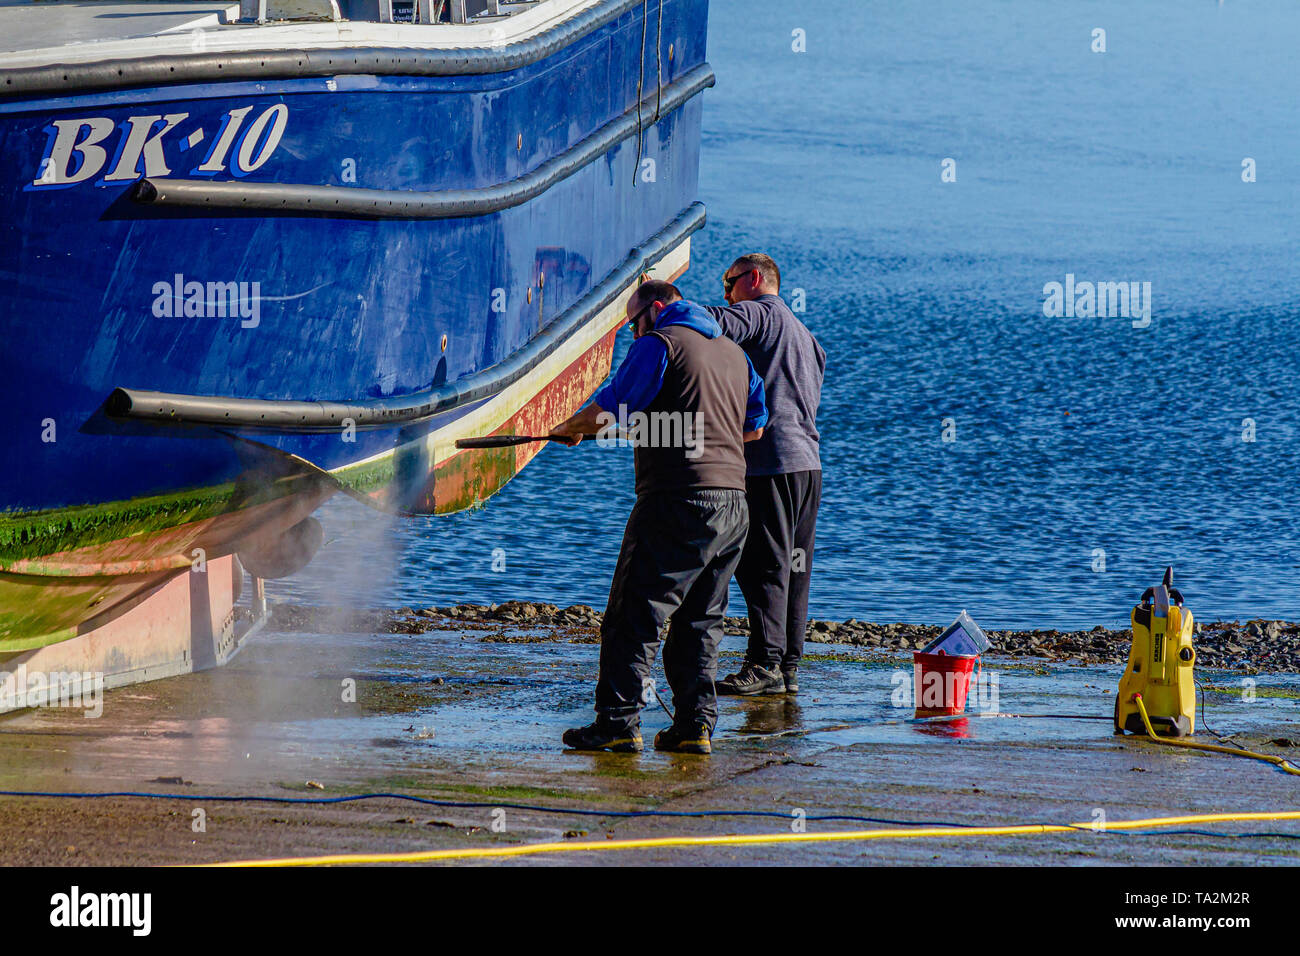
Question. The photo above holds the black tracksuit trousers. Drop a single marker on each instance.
(776, 566)
(679, 553)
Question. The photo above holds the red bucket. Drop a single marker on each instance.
(940, 682)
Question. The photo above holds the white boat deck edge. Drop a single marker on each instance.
(35, 34)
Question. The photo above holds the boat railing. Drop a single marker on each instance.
(381, 11)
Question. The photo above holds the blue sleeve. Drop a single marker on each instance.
(638, 379)
(756, 409)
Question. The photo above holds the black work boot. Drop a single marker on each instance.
(691, 740)
(751, 680)
(791, 675)
(599, 736)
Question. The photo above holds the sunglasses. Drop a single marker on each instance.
(729, 282)
(636, 318)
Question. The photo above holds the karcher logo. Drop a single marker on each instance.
(75, 909)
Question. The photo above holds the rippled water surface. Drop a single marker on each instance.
(1073, 436)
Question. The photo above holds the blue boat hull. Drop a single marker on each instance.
(101, 291)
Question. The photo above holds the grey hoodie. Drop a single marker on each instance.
(791, 363)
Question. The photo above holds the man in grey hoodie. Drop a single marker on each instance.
(783, 477)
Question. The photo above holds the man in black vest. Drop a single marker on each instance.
(689, 400)
(784, 475)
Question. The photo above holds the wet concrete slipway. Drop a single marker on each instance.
(475, 715)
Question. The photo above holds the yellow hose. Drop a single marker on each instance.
(1176, 742)
(751, 839)
(841, 836)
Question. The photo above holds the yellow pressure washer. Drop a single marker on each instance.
(1159, 668)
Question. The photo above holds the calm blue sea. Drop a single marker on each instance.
(1074, 436)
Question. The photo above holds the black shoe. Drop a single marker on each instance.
(598, 737)
(694, 740)
(751, 680)
(791, 675)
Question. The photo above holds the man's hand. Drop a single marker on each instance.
(568, 432)
(755, 435)
(571, 430)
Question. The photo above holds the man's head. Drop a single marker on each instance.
(645, 304)
(751, 276)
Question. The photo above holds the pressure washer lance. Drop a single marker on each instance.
(506, 441)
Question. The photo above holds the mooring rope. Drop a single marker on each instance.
(659, 60)
(640, 82)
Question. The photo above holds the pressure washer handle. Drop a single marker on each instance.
(1174, 593)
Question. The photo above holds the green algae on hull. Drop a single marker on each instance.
(26, 535)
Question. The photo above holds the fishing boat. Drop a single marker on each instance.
(259, 254)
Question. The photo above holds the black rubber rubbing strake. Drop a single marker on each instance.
(355, 202)
(291, 416)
